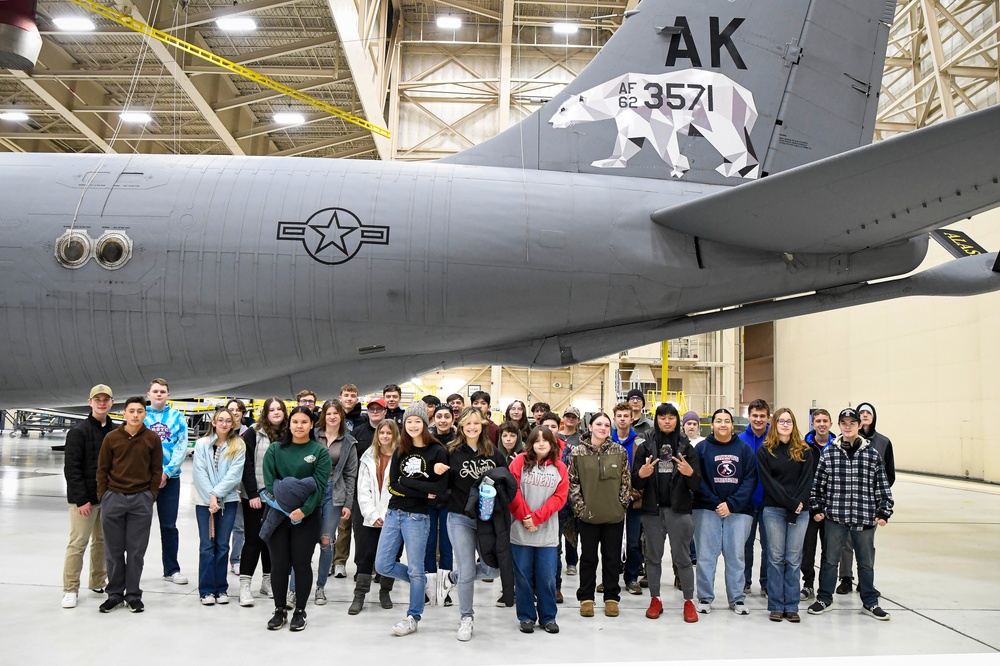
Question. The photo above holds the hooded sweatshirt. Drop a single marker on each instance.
(171, 425)
(881, 443)
(728, 474)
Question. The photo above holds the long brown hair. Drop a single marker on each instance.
(377, 450)
(796, 445)
(530, 457)
(406, 442)
(484, 446)
(327, 406)
(272, 432)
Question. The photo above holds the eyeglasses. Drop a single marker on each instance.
(785, 422)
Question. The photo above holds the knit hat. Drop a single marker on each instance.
(416, 408)
(636, 393)
(690, 416)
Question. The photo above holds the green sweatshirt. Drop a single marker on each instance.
(299, 461)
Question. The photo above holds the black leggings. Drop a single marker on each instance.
(292, 547)
(253, 547)
(366, 544)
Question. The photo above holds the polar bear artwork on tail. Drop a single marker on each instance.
(658, 107)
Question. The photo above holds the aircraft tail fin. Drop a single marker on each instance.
(711, 91)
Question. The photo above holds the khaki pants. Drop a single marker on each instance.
(342, 547)
(81, 530)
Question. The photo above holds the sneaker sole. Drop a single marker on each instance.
(135, 610)
(403, 632)
(298, 628)
(817, 612)
(873, 615)
(275, 628)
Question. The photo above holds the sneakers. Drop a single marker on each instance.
(806, 593)
(177, 578)
(876, 612)
(431, 590)
(136, 606)
(611, 608)
(69, 600)
(704, 607)
(587, 609)
(222, 599)
(819, 607)
(465, 629)
(448, 603)
(208, 600)
(339, 571)
(265, 587)
(298, 622)
(405, 627)
(527, 627)
(633, 587)
(644, 582)
(111, 605)
(234, 568)
(740, 608)
(775, 616)
(551, 628)
(690, 614)
(655, 608)
(792, 616)
(444, 586)
(570, 571)
(246, 594)
(600, 589)
(501, 603)
(97, 590)
(277, 620)
(746, 589)
(319, 599)
(845, 586)
(290, 600)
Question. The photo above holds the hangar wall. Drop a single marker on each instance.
(931, 367)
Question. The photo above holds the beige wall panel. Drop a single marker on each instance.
(929, 365)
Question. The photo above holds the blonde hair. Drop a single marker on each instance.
(484, 446)
(393, 429)
(234, 443)
(796, 445)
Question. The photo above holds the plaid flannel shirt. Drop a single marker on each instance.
(851, 491)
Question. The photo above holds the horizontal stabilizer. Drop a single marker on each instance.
(871, 196)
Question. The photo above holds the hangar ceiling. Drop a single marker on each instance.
(437, 89)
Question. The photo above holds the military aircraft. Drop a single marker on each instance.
(708, 169)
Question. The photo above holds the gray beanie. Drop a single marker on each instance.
(416, 408)
(690, 416)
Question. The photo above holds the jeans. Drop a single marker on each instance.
(409, 530)
(166, 512)
(757, 525)
(331, 520)
(633, 553)
(84, 529)
(464, 541)
(535, 577)
(213, 552)
(784, 558)
(239, 537)
(726, 536)
(864, 549)
(125, 521)
(438, 543)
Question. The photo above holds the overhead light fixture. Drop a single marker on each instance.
(449, 22)
(289, 118)
(236, 24)
(74, 23)
(136, 117)
(17, 116)
(565, 28)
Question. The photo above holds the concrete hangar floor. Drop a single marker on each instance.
(938, 570)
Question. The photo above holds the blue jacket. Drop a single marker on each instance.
(728, 474)
(222, 482)
(171, 425)
(755, 443)
(628, 443)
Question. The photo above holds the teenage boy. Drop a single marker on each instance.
(83, 444)
(392, 394)
(342, 548)
(538, 412)
(306, 398)
(817, 438)
(129, 477)
(641, 423)
(883, 445)
(457, 404)
(171, 426)
(352, 406)
(570, 432)
(759, 414)
(481, 401)
(624, 435)
(851, 496)
(691, 424)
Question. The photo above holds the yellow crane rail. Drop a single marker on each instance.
(246, 72)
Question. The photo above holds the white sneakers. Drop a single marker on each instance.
(246, 594)
(69, 600)
(339, 571)
(431, 589)
(704, 607)
(405, 627)
(465, 629)
(265, 587)
(740, 608)
(177, 578)
(444, 586)
(208, 600)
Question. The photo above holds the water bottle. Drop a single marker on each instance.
(487, 496)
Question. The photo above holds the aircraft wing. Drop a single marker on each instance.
(870, 196)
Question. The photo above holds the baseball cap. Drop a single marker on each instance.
(377, 401)
(849, 413)
(572, 410)
(101, 388)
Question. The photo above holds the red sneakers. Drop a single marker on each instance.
(690, 614)
(655, 608)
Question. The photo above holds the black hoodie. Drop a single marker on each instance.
(881, 443)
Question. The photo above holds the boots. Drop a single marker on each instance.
(385, 587)
(265, 586)
(430, 589)
(246, 595)
(360, 590)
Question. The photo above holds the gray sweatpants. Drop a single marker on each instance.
(125, 520)
(679, 527)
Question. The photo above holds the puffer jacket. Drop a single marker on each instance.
(83, 445)
(373, 499)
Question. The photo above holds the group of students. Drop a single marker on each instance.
(468, 500)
